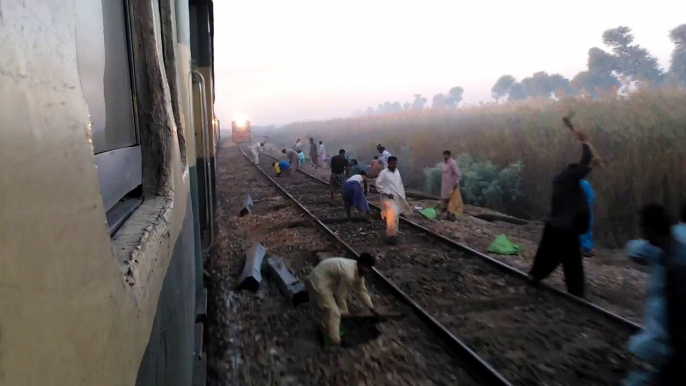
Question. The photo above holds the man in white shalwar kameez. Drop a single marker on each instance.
(255, 150)
(321, 152)
(389, 184)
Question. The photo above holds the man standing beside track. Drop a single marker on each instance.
(393, 203)
(313, 153)
(321, 153)
(298, 145)
(451, 201)
(339, 168)
(328, 287)
(568, 220)
(293, 158)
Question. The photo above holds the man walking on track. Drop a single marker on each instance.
(568, 220)
(255, 150)
(354, 196)
(313, 153)
(321, 153)
(339, 168)
(298, 145)
(451, 200)
(293, 158)
(328, 287)
(393, 203)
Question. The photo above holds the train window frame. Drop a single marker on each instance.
(120, 169)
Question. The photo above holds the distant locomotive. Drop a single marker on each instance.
(240, 131)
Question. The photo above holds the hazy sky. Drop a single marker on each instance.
(284, 61)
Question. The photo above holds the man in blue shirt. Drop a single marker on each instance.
(283, 168)
(586, 239)
(660, 343)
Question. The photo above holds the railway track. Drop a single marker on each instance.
(521, 334)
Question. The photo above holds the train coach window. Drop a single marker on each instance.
(104, 60)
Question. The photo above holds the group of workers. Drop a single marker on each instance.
(566, 239)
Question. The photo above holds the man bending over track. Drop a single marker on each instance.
(283, 168)
(292, 158)
(328, 287)
(255, 150)
(354, 196)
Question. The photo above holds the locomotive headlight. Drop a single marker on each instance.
(240, 121)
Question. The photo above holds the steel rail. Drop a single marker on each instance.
(505, 267)
(477, 366)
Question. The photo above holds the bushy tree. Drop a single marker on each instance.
(502, 87)
(456, 95)
(482, 184)
(438, 101)
(632, 60)
(419, 102)
(517, 92)
(677, 67)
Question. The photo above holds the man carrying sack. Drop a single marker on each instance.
(451, 199)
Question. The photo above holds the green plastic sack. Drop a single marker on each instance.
(503, 246)
(430, 213)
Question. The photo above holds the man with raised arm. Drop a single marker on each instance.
(568, 219)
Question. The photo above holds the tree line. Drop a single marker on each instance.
(623, 65)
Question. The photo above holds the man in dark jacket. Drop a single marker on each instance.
(568, 219)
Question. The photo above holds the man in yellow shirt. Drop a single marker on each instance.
(328, 287)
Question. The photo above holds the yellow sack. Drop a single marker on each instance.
(455, 205)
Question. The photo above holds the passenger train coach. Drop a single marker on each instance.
(107, 190)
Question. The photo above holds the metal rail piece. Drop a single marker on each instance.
(481, 369)
(507, 268)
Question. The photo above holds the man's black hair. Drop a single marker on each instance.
(656, 218)
(392, 158)
(283, 150)
(379, 146)
(320, 142)
(376, 157)
(342, 151)
(311, 139)
(366, 259)
(362, 173)
(446, 152)
(261, 143)
(381, 149)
